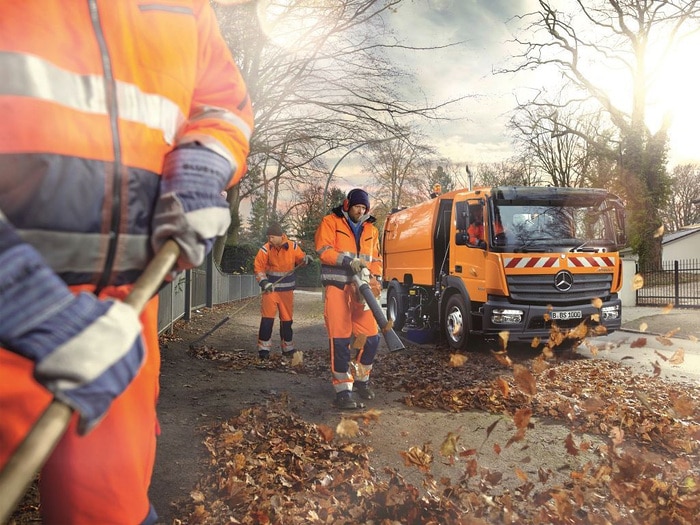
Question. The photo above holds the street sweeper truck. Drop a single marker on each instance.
(521, 260)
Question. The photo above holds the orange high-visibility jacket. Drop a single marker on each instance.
(335, 241)
(86, 120)
(277, 263)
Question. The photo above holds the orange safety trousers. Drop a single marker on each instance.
(102, 477)
(345, 316)
(271, 302)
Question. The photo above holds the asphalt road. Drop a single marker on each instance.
(644, 342)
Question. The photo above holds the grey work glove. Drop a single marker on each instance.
(308, 260)
(266, 286)
(191, 208)
(357, 265)
(86, 351)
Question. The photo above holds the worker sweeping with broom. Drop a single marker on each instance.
(274, 268)
(122, 123)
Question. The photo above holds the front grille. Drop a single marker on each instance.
(539, 289)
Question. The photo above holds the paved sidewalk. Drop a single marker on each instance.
(660, 320)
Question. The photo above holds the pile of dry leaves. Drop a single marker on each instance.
(269, 466)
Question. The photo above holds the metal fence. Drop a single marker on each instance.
(676, 282)
(201, 287)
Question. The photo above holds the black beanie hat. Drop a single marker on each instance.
(358, 196)
(275, 229)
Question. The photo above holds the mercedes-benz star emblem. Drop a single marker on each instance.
(563, 281)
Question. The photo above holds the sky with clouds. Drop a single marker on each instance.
(485, 28)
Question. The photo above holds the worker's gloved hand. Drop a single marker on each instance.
(266, 286)
(191, 208)
(365, 275)
(308, 260)
(376, 286)
(86, 351)
(355, 264)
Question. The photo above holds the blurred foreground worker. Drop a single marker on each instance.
(274, 269)
(122, 122)
(347, 242)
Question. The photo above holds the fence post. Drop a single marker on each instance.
(210, 280)
(187, 314)
(676, 283)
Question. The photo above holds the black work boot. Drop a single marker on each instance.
(345, 400)
(263, 355)
(363, 390)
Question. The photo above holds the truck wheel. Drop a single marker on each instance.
(456, 323)
(395, 310)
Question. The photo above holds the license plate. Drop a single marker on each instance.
(566, 314)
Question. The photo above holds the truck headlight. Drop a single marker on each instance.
(506, 315)
(610, 312)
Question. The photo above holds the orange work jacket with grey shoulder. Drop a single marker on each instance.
(335, 241)
(89, 113)
(93, 95)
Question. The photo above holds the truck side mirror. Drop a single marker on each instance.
(461, 216)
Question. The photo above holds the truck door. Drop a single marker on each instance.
(469, 259)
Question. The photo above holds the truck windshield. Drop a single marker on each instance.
(558, 227)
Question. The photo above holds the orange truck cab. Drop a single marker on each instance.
(516, 259)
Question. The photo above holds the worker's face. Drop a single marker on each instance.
(357, 211)
(275, 240)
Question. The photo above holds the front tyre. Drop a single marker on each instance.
(456, 324)
(395, 310)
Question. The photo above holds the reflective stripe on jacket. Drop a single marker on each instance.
(336, 245)
(277, 263)
(83, 134)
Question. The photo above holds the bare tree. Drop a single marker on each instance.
(684, 206)
(614, 36)
(398, 168)
(320, 81)
(542, 133)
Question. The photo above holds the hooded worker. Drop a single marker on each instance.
(347, 242)
(274, 270)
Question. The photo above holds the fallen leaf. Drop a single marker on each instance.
(683, 406)
(571, 447)
(678, 357)
(521, 475)
(637, 282)
(643, 327)
(347, 428)
(449, 445)
(297, 359)
(597, 303)
(657, 368)
(418, 456)
(502, 357)
(639, 343)
(458, 360)
(595, 318)
(502, 386)
(326, 432)
(593, 404)
(617, 435)
(497, 448)
(535, 342)
(521, 418)
(504, 335)
(662, 356)
(524, 379)
(667, 309)
(664, 341)
(673, 332)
